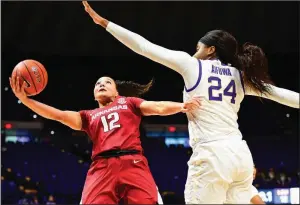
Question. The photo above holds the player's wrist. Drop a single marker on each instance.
(182, 107)
(24, 99)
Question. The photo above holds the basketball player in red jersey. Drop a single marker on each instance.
(119, 170)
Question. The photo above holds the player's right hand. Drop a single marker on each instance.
(192, 104)
(19, 90)
(94, 15)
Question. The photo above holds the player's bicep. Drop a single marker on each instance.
(149, 108)
(187, 66)
(179, 61)
(71, 119)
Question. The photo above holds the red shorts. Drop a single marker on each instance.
(125, 178)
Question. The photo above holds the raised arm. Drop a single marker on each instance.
(280, 95)
(164, 108)
(69, 118)
(179, 61)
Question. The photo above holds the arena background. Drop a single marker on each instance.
(41, 158)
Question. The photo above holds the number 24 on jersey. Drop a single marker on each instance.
(217, 87)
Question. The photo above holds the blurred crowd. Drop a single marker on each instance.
(31, 176)
(35, 199)
(272, 178)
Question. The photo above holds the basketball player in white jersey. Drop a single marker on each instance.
(221, 167)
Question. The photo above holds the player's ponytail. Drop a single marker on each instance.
(132, 89)
(251, 60)
(254, 64)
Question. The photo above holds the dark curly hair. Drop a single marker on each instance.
(132, 89)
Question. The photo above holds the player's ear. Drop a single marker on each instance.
(211, 50)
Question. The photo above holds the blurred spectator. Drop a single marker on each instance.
(51, 200)
(259, 179)
(35, 200)
(283, 181)
(23, 201)
(254, 172)
(270, 179)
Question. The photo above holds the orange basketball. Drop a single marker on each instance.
(34, 74)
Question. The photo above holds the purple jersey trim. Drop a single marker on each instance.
(242, 81)
(199, 78)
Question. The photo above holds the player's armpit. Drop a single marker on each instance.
(280, 95)
(71, 119)
(160, 108)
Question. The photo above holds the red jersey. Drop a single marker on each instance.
(115, 126)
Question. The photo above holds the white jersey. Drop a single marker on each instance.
(222, 91)
(220, 86)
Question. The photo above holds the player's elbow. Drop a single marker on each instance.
(142, 48)
(70, 119)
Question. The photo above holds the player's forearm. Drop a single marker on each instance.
(103, 22)
(169, 108)
(280, 95)
(43, 110)
(284, 96)
(176, 60)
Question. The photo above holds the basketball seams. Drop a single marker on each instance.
(30, 76)
(44, 80)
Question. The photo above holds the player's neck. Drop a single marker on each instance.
(106, 103)
(212, 58)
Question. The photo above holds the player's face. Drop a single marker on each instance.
(204, 52)
(105, 88)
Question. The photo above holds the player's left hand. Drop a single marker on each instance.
(93, 14)
(192, 104)
(17, 88)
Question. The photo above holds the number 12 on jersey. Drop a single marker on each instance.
(114, 118)
(217, 87)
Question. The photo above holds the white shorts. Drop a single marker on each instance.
(220, 172)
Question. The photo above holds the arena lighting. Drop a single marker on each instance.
(8, 126)
(172, 129)
(34, 116)
(6, 88)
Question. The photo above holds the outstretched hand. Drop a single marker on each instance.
(96, 17)
(192, 104)
(17, 88)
